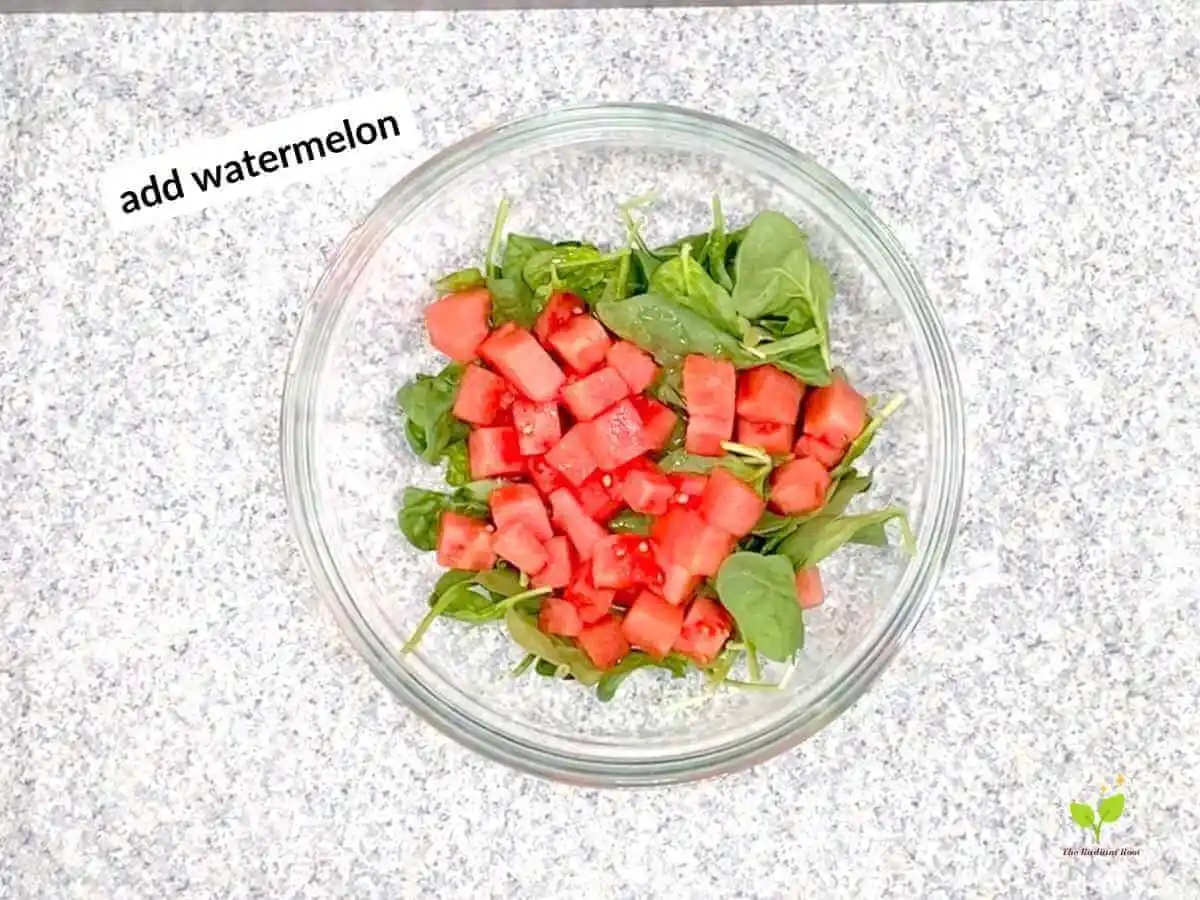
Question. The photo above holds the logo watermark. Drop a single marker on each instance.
(1109, 808)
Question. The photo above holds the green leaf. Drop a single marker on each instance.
(421, 512)
(761, 287)
(618, 285)
(718, 247)
(462, 280)
(629, 522)
(1083, 815)
(517, 250)
(525, 632)
(685, 281)
(670, 331)
(502, 582)
(760, 593)
(819, 537)
(489, 263)
(612, 678)
(428, 403)
(860, 444)
(753, 470)
(513, 301)
(468, 602)
(458, 467)
(580, 269)
(1110, 808)
(668, 388)
(807, 365)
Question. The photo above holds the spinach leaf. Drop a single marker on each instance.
(860, 444)
(547, 669)
(503, 582)
(817, 538)
(668, 388)
(685, 281)
(760, 593)
(606, 687)
(581, 269)
(617, 287)
(513, 301)
(807, 365)
(754, 470)
(490, 267)
(629, 522)
(461, 280)
(517, 250)
(525, 632)
(759, 287)
(458, 467)
(718, 248)
(670, 331)
(428, 402)
(421, 512)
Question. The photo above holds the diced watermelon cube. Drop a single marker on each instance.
(615, 436)
(705, 435)
(544, 476)
(810, 593)
(766, 394)
(514, 353)
(647, 490)
(570, 518)
(652, 624)
(826, 454)
(684, 538)
(730, 504)
(599, 497)
(480, 396)
(458, 323)
(678, 583)
(559, 310)
(658, 421)
(799, 486)
(836, 413)
(689, 489)
(494, 451)
(604, 642)
(557, 573)
(520, 504)
(592, 602)
(572, 456)
(592, 395)
(520, 546)
(706, 628)
(581, 343)
(772, 437)
(635, 366)
(464, 543)
(537, 424)
(557, 616)
(622, 561)
(710, 391)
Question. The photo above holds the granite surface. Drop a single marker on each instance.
(176, 721)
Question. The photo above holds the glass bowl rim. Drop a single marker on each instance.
(316, 337)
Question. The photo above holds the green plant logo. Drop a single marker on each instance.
(1107, 811)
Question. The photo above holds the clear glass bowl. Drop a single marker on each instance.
(345, 461)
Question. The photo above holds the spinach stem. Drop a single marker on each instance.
(489, 264)
(510, 602)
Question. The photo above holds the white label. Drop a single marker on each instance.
(144, 191)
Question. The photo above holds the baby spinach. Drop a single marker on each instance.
(670, 331)
(817, 538)
(427, 402)
(754, 470)
(685, 281)
(606, 687)
(525, 632)
(718, 248)
(668, 388)
(580, 269)
(462, 280)
(776, 528)
(629, 522)
(513, 301)
(760, 593)
(458, 467)
(421, 511)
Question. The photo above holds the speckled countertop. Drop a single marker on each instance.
(174, 721)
